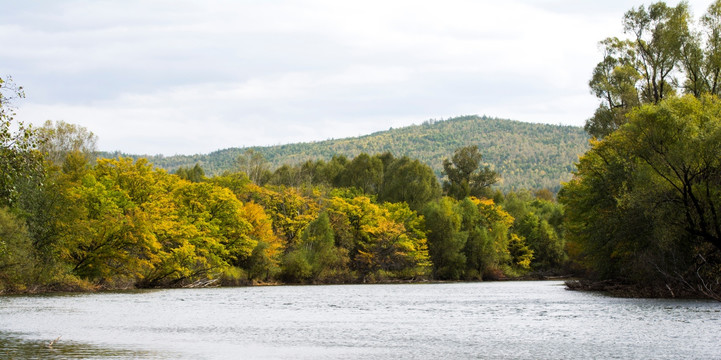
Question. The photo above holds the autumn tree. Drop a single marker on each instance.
(383, 241)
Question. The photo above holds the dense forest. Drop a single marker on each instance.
(526, 155)
(639, 215)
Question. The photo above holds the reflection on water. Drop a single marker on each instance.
(464, 320)
(13, 346)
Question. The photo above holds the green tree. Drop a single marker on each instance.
(542, 239)
(318, 240)
(409, 181)
(663, 56)
(18, 142)
(478, 249)
(316, 257)
(17, 258)
(194, 174)
(659, 33)
(614, 82)
(296, 267)
(539, 220)
(288, 176)
(365, 173)
(260, 265)
(644, 201)
(51, 208)
(465, 177)
(445, 239)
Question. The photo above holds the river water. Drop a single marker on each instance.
(492, 320)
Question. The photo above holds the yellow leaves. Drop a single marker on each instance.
(384, 236)
(519, 251)
(290, 211)
(262, 228)
(149, 225)
(479, 202)
(491, 212)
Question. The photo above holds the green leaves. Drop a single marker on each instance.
(663, 56)
(18, 158)
(645, 201)
(465, 176)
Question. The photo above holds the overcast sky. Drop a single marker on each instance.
(185, 77)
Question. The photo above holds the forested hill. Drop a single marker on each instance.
(525, 155)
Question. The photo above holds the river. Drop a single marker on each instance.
(490, 320)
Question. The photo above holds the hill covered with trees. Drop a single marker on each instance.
(525, 155)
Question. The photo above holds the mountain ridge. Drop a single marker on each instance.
(526, 155)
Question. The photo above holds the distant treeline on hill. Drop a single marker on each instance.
(525, 155)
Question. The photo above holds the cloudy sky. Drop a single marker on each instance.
(185, 77)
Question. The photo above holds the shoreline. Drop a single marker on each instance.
(54, 290)
(621, 289)
(614, 288)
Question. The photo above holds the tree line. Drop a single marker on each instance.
(525, 155)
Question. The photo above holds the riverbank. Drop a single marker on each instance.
(614, 288)
(623, 289)
(85, 287)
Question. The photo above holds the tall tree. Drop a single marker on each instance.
(16, 252)
(409, 181)
(465, 176)
(365, 173)
(659, 33)
(642, 69)
(446, 240)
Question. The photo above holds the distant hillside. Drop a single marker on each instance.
(526, 155)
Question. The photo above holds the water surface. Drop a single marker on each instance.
(500, 320)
